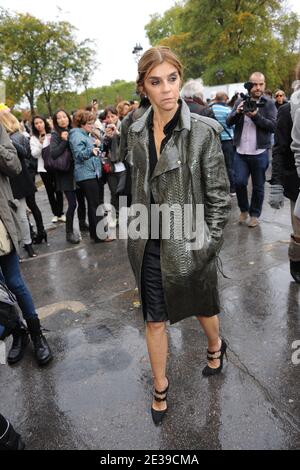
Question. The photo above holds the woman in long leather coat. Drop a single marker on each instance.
(176, 160)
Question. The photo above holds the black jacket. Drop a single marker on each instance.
(63, 181)
(197, 108)
(283, 164)
(22, 185)
(265, 121)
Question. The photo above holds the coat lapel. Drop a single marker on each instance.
(169, 160)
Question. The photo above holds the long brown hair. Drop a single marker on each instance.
(154, 57)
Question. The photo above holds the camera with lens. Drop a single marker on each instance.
(250, 104)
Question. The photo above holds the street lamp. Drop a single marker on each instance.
(137, 51)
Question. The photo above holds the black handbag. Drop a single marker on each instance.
(62, 164)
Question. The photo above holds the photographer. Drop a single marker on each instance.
(254, 117)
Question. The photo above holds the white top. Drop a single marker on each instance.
(36, 151)
(248, 140)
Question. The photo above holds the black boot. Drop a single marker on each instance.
(20, 341)
(71, 237)
(84, 227)
(295, 270)
(38, 239)
(42, 351)
(30, 251)
(10, 440)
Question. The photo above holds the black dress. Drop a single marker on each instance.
(153, 300)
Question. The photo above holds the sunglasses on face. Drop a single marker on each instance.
(278, 96)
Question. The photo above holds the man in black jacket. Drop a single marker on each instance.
(252, 138)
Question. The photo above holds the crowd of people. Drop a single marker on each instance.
(171, 148)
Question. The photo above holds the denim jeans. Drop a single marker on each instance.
(254, 166)
(11, 275)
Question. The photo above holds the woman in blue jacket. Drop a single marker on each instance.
(88, 168)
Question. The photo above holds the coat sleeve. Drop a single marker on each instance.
(124, 138)
(267, 119)
(20, 146)
(57, 145)
(35, 147)
(10, 164)
(233, 118)
(282, 144)
(80, 148)
(295, 146)
(217, 202)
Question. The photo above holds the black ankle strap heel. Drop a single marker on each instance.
(208, 371)
(159, 397)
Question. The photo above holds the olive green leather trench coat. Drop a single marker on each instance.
(190, 171)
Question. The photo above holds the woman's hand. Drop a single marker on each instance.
(110, 130)
(95, 151)
(64, 135)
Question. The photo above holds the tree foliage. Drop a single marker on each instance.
(39, 57)
(225, 40)
(111, 94)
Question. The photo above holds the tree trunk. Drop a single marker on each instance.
(48, 102)
(31, 104)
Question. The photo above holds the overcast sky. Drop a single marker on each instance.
(116, 26)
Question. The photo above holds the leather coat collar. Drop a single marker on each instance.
(184, 121)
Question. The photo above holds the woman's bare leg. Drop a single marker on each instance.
(211, 327)
(157, 342)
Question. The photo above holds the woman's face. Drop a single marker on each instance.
(125, 110)
(162, 86)
(88, 127)
(62, 120)
(39, 125)
(111, 118)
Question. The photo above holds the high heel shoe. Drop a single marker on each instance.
(30, 251)
(39, 237)
(158, 416)
(209, 371)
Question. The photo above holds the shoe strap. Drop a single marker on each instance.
(159, 400)
(210, 354)
(163, 392)
(209, 358)
(213, 352)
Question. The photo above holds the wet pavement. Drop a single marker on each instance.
(96, 394)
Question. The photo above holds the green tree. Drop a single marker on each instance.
(42, 57)
(111, 94)
(225, 40)
(164, 26)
